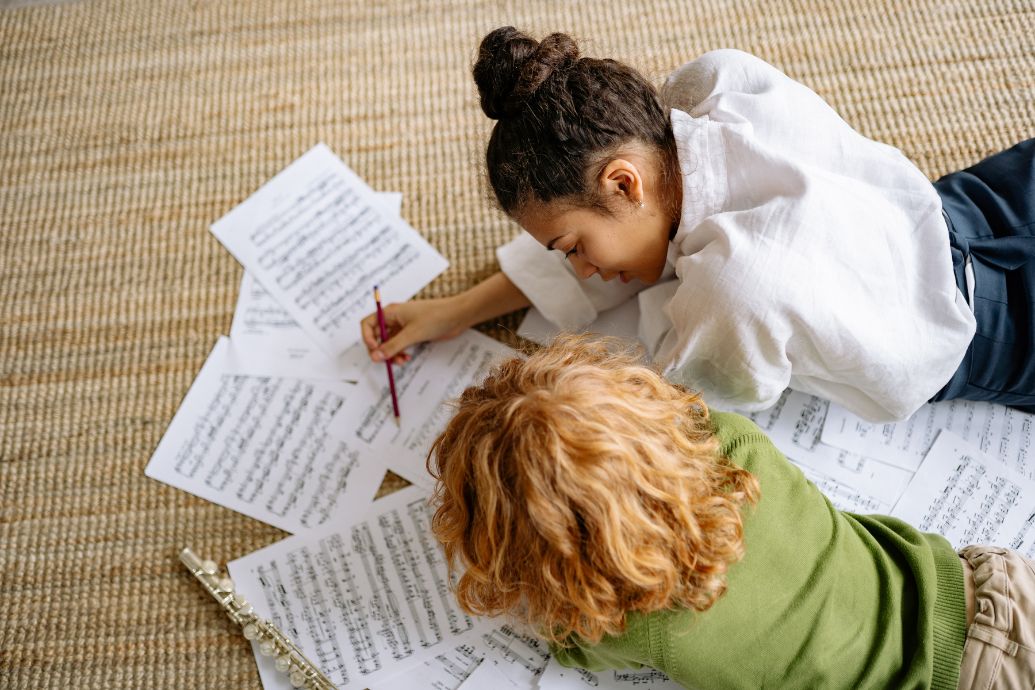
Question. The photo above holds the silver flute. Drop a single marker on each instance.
(289, 658)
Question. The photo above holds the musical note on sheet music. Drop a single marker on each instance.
(359, 600)
(999, 431)
(262, 446)
(969, 498)
(843, 496)
(267, 341)
(794, 425)
(557, 677)
(318, 239)
(435, 376)
(446, 671)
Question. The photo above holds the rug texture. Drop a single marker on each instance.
(127, 128)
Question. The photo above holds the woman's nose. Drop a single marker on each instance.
(583, 268)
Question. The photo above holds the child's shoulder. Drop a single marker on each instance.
(734, 430)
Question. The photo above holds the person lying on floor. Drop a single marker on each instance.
(582, 493)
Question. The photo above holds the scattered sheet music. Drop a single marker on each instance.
(437, 374)
(557, 677)
(262, 446)
(998, 430)
(970, 498)
(267, 341)
(362, 601)
(318, 239)
(794, 424)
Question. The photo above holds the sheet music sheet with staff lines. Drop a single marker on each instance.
(317, 238)
(970, 498)
(996, 429)
(794, 425)
(557, 677)
(263, 446)
(267, 341)
(427, 384)
(361, 600)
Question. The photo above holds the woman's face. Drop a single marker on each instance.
(628, 243)
(626, 246)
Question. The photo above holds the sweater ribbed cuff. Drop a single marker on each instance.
(950, 616)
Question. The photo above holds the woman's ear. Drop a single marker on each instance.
(621, 180)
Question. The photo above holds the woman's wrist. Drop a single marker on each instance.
(493, 297)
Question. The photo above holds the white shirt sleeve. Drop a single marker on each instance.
(550, 284)
(727, 348)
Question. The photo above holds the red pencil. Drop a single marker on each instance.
(388, 362)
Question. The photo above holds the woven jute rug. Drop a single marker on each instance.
(127, 128)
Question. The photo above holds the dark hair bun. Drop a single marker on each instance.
(512, 66)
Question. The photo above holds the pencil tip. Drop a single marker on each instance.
(397, 422)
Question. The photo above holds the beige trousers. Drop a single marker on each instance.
(1000, 647)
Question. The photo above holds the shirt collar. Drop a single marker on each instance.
(702, 163)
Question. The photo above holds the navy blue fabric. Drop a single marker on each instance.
(990, 212)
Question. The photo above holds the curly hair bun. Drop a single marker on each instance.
(512, 66)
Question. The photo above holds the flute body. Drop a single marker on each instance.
(289, 659)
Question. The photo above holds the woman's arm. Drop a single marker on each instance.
(417, 321)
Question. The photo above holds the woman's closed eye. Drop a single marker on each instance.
(571, 251)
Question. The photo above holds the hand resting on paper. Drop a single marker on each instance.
(409, 323)
(417, 321)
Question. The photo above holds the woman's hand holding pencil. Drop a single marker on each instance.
(409, 323)
(419, 321)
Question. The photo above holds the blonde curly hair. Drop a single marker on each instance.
(578, 485)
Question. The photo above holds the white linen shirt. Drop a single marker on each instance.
(807, 255)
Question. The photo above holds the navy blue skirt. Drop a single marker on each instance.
(990, 213)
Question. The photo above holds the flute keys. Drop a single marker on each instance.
(250, 631)
(226, 584)
(297, 679)
(209, 567)
(267, 648)
(283, 663)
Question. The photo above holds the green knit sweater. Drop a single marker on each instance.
(821, 599)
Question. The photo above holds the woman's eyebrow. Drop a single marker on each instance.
(549, 245)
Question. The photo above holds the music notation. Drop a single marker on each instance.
(1000, 432)
(317, 238)
(263, 446)
(969, 497)
(363, 600)
(435, 376)
(557, 677)
(794, 425)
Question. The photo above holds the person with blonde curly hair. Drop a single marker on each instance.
(581, 493)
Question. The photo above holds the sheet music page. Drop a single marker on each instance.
(844, 496)
(794, 424)
(489, 676)
(969, 498)
(261, 446)
(426, 385)
(620, 322)
(557, 677)
(996, 429)
(267, 341)
(316, 238)
(445, 671)
(362, 601)
(516, 661)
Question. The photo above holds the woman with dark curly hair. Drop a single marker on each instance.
(802, 252)
(580, 492)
